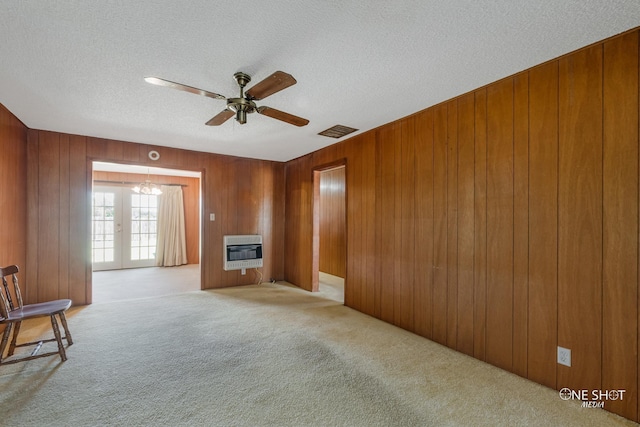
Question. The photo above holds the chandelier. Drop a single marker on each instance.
(147, 187)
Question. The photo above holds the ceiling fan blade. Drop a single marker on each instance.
(162, 82)
(272, 84)
(220, 118)
(281, 115)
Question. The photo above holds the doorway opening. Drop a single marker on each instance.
(125, 233)
(329, 230)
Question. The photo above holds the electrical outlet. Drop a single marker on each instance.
(564, 356)
(212, 217)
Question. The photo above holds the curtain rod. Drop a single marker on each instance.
(103, 181)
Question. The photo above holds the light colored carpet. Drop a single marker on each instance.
(133, 283)
(331, 286)
(268, 355)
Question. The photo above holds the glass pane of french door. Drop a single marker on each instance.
(106, 233)
(141, 230)
(124, 228)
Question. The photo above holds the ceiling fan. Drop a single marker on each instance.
(244, 104)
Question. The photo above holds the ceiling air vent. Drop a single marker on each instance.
(337, 131)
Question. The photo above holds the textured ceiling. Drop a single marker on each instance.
(77, 66)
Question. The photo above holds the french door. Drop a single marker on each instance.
(124, 228)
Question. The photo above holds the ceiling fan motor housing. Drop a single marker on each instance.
(241, 106)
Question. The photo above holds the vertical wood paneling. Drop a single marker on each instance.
(499, 338)
(13, 170)
(385, 225)
(79, 211)
(98, 148)
(48, 216)
(133, 153)
(404, 305)
(191, 193)
(245, 223)
(299, 230)
(355, 259)
(292, 213)
(212, 230)
(306, 243)
(332, 222)
(480, 227)
(277, 223)
(580, 218)
(266, 174)
(620, 223)
(315, 237)
(520, 221)
(452, 223)
(33, 201)
(543, 224)
(439, 322)
(340, 226)
(424, 258)
(367, 218)
(325, 155)
(230, 211)
(256, 213)
(466, 193)
(396, 285)
(64, 216)
(325, 220)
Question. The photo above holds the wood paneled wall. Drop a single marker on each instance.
(502, 223)
(246, 195)
(191, 198)
(13, 202)
(333, 222)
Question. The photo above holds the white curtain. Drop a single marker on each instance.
(171, 248)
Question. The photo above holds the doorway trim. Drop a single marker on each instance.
(315, 256)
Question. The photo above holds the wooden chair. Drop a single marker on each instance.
(12, 314)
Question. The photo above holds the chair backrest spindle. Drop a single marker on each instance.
(7, 298)
(16, 288)
(4, 304)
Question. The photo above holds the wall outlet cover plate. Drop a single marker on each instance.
(564, 356)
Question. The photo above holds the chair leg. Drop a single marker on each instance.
(16, 330)
(63, 319)
(56, 332)
(5, 339)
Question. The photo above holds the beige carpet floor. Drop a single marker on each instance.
(267, 355)
(133, 283)
(332, 287)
